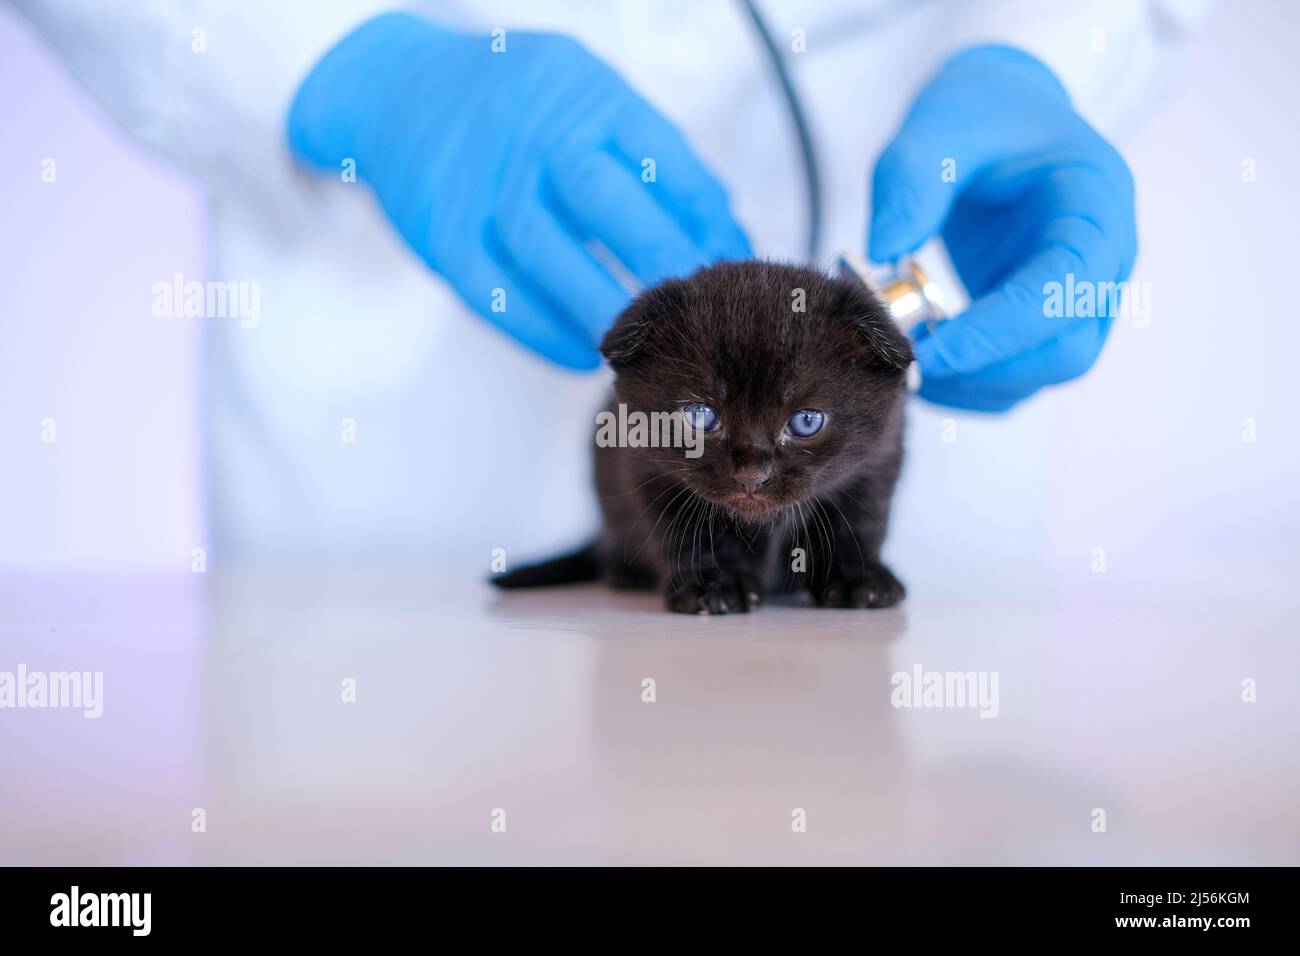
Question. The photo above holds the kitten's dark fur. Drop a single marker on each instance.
(731, 337)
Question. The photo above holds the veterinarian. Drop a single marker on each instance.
(444, 209)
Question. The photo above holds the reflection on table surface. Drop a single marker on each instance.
(392, 717)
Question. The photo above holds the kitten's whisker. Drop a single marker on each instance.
(696, 510)
(806, 537)
(853, 535)
(869, 513)
(699, 525)
(802, 535)
(662, 474)
(667, 540)
(796, 509)
(685, 488)
(713, 509)
(824, 529)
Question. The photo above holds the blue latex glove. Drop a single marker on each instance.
(499, 168)
(1038, 194)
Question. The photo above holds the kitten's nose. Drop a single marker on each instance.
(753, 477)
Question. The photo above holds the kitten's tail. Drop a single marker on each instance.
(580, 565)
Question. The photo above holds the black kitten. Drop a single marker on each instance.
(773, 455)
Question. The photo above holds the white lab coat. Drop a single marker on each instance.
(463, 441)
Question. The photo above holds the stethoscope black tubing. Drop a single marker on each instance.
(807, 150)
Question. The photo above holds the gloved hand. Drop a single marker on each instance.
(1038, 195)
(499, 168)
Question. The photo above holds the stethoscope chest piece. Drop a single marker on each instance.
(910, 292)
(905, 288)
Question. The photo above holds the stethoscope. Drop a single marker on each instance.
(913, 297)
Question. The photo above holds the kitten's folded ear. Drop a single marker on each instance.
(889, 345)
(625, 344)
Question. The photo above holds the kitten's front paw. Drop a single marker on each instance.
(729, 594)
(875, 586)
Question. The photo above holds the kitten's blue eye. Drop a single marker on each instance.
(700, 416)
(807, 422)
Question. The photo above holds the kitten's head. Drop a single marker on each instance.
(793, 380)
